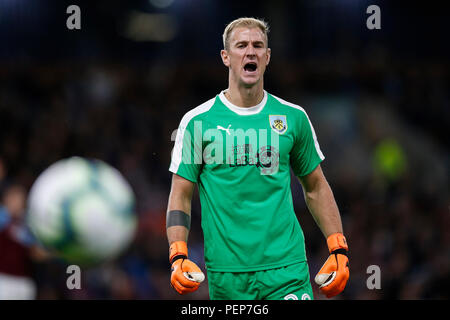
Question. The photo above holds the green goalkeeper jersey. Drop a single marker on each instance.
(241, 159)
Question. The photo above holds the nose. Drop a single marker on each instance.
(250, 50)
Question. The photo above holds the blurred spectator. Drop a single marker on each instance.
(17, 247)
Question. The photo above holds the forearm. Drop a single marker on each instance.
(181, 202)
(322, 205)
(186, 275)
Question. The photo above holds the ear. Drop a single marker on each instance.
(268, 53)
(225, 57)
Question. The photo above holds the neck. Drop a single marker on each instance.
(245, 97)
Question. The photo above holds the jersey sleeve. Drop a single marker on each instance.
(305, 154)
(186, 154)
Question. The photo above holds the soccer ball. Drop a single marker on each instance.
(82, 210)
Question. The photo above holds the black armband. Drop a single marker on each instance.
(178, 218)
(340, 251)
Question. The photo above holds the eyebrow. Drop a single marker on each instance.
(246, 41)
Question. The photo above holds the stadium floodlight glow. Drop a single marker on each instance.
(142, 26)
(161, 3)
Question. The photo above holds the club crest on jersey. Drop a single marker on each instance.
(278, 123)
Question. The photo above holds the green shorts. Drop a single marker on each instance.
(288, 283)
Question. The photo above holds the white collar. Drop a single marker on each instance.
(241, 110)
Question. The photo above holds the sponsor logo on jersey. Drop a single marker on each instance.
(267, 158)
(278, 123)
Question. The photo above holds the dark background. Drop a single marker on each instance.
(117, 89)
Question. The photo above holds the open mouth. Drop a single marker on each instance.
(250, 67)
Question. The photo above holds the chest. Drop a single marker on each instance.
(260, 141)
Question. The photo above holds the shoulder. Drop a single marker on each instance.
(287, 103)
(290, 107)
(197, 112)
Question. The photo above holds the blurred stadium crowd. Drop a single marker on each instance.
(382, 123)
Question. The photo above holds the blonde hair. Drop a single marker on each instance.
(247, 23)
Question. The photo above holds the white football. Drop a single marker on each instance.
(83, 210)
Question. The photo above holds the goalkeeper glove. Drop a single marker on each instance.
(334, 274)
(186, 275)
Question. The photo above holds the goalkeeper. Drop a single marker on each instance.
(254, 245)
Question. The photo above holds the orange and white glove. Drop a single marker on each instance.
(186, 275)
(332, 277)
